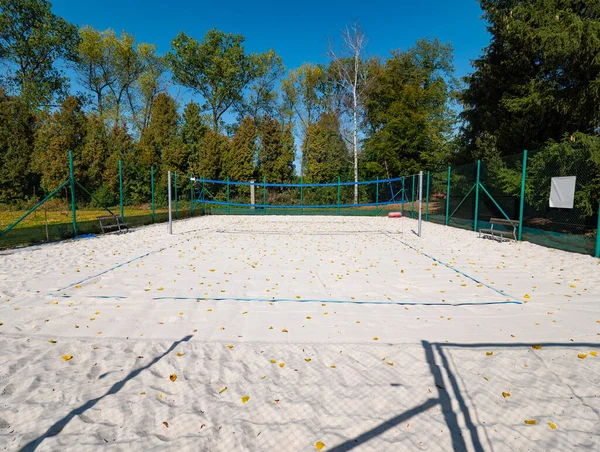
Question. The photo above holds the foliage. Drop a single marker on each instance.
(241, 158)
(276, 152)
(328, 157)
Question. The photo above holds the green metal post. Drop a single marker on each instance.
(228, 206)
(202, 197)
(301, 197)
(476, 219)
(338, 199)
(191, 196)
(175, 187)
(522, 201)
(403, 196)
(377, 197)
(121, 190)
(448, 196)
(265, 194)
(73, 207)
(427, 199)
(412, 203)
(152, 192)
(598, 234)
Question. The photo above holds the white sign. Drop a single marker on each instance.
(562, 192)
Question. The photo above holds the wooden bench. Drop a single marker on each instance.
(500, 234)
(110, 222)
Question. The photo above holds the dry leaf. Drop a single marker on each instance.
(281, 364)
(223, 390)
(67, 357)
(230, 347)
(319, 445)
(536, 347)
(307, 360)
(173, 377)
(52, 341)
(180, 354)
(284, 330)
(166, 424)
(594, 353)
(506, 394)
(375, 338)
(245, 398)
(273, 361)
(582, 356)
(531, 422)
(489, 353)
(389, 363)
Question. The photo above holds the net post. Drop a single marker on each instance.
(73, 207)
(522, 200)
(191, 196)
(427, 199)
(377, 197)
(338, 196)
(252, 194)
(301, 197)
(448, 195)
(265, 194)
(403, 196)
(412, 203)
(476, 219)
(202, 197)
(152, 192)
(121, 190)
(228, 206)
(420, 200)
(598, 234)
(169, 195)
(175, 187)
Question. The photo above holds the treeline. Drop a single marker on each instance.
(536, 86)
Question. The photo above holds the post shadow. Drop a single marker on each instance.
(59, 425)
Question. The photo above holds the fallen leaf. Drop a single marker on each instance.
(230, 347)
(308, 317)
(536, 347)
(594, 353)
(281, 364)
(319, 445)
(307, 360)
(333, 367)
(375, 338)
(173, 377)
(506, 394)
(531, 422)
(582, 356)
(284, 330)
(67, 357)
(223, 390)
(180, 354)
(263, 377)
(552, 425)
(52, 341)
(489, 353)
(276, 400)
(245, 398)
(389, 363)
(142, 393)
(526, 296)
(166, 424)
(160, 396)
(273, 361)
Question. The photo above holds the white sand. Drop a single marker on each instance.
(426, 383)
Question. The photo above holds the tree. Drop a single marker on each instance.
(217, 68)
(241, 159)
(353, 75)
(60, 132)
(192, 131)
(17, 128)
(327, 158)
(408, 116)
(32, 40)
(538, 78)
(276, 152)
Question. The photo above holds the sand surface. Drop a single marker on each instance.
(350, 332)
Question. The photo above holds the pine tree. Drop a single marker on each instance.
(276, 152)
(328, 157)
(241, 158)
(192, 131)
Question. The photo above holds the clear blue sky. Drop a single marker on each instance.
(297, 31)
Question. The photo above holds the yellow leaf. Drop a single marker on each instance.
(181, 313)
(97, 312)
(67, 357)
(489, 353)
(284, 330)
(531, 422)
(375, 338)
(230, 347)
(276, 400)
(160, 396)
(319, 445)
(223, 390)
(180, 354)
(245, 398)
(246, 312)
(298, 297)
(52, 341)
(273, 361)
(263, 377)
(77, 287)
(486, 378)
(536, 347)
(594, 353)
(160, 288)
(389, 363)
(55, 302)
(142, 393)
(582, 356)
(308, 317)
(209, 309)
(333, 367)
(173, 377)
(281, 364)
(552, 425)
(358, 321)
(506, 394)
(270, 327)
(307, 360)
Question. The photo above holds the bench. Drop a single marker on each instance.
(500, 234)
(110, 222)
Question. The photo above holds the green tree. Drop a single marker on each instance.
(17, 129)
(538, 78)
(217, 68)
(276, 152)
(408, 115)
(192, 131)
(32, 40)
(328, 157)
(161, 134)
(241, 159)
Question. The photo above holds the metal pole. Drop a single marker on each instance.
(175, 187)
(427, 199)
(403, 196)
(412, 203)
(476, 219)
(73, 207)
(377, 197)
(420, 200)
(202, 197)
(522, 201)
(598, 234)
(265, 194)
(169, 195)
(252, 195)
(338, 197)
(121, 189)
(152, 192)
(228, 206)
(191, 196)
(301, 197)
(448, 196)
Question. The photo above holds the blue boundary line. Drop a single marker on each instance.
(330, 184)
(500, 292)
(305, 206)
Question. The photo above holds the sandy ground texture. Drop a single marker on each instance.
(299, 334)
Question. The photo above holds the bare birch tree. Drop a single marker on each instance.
(352, 74)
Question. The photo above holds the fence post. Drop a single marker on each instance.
(202, 198)
(265, 194)
(598, 234)
(338, 198)
(420, 201)
(448, 195)
(73, 207)
(191, 196)
(412, 203)
(377, 197)
(175, 187)
(152, 192)
(477, 196)
(170, 228)
(121, 190)
(403, 196)
(427, 200)
(228, 206)
(301, 197)
(522, 201)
